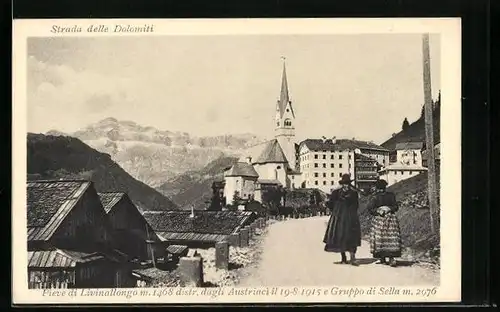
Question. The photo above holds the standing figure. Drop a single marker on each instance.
(385, 236)
(343, 233)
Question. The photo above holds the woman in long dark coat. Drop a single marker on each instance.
(385, 236)
(343, 233)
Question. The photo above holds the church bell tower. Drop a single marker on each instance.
(285, 121)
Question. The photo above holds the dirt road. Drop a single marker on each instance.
(293, 255)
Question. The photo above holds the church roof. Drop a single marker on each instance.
(284, 96)
(272, 153)
(267, 152)
(241, 169)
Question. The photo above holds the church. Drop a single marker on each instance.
(272, 163)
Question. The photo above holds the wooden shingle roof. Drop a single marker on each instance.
(49, 202)
(204, 222)
(177, 249)
(60, 258)
(109, 200)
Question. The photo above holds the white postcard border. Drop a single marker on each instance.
(448, 28)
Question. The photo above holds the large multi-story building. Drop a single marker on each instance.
(324, 161)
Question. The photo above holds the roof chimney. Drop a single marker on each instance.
(323, 138)
(192, 212)
(249, 160)
(334, 140)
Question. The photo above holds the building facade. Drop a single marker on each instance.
(409, 153)
(240, 181)
(395, 173)
(285, 122)
(324, 161)
(134, 235)
(365, 171)
(405, 162)
(272, 163)
(70, 240)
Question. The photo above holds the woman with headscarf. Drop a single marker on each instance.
(385, 236)
(343, 233)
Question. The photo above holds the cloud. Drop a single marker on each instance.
(58, 92)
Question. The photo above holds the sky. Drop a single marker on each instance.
(360, 86)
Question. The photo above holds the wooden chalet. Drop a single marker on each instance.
(202, 229)
(70, 239)
(134, 235)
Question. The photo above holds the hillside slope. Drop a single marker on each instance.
(195, 187)
(416, 130)
(60, 156)
(413, 214)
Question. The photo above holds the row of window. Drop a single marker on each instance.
(332, 165)
(324, 174)
(410, 172)
(316, 156)
(324, 182)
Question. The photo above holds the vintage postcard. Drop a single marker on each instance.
(236, 161)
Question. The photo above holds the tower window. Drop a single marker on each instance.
(287, 110)
(277, 123)
(288, 122)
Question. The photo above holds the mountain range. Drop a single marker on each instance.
(64, 157)
(154, 156)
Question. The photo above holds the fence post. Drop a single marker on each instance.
(234, 239)
(222, 255)
(244, 237)
(191, 271)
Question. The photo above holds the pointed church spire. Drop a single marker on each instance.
(284, 97)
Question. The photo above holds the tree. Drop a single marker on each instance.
(271, 197)
(406, 124)
(216, 200)
(236, 198)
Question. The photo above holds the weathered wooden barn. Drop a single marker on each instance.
(69, 231)
(134, 235)
(203, 229)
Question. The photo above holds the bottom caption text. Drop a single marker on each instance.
(227, 293)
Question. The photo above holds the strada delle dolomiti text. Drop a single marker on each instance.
(118, 28)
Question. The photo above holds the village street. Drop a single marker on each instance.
(293, 255)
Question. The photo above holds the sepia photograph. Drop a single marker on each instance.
(292, 165)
